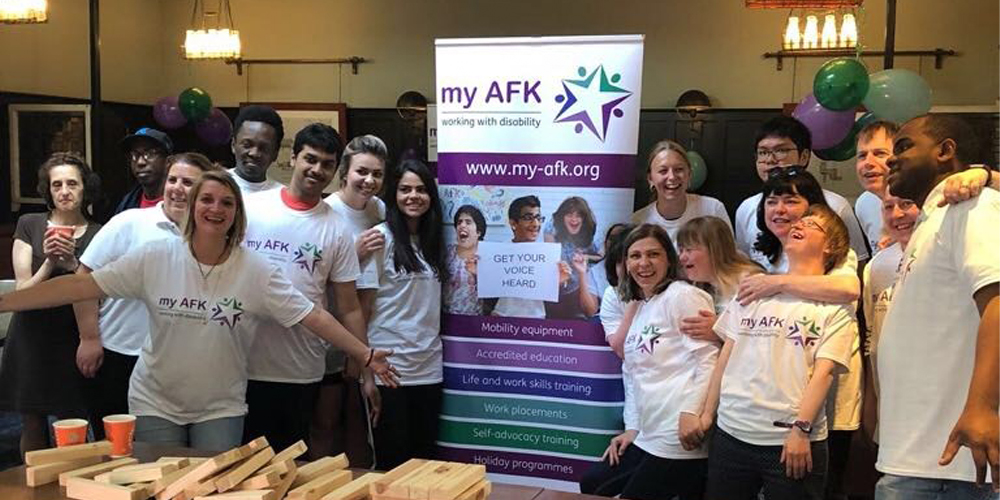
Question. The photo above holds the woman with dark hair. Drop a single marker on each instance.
(460, 295)
(604, 279)
(188, 388)
(39, 376)
(662, 456)
(574, 225)
(406, 315)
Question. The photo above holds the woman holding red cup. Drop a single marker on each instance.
(38, 375)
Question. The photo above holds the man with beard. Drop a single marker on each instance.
(147, 151)
(257, 136)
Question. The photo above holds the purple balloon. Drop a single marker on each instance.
(167, 113)
(827, 127)
(216, 129)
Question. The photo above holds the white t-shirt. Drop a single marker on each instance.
(124, 323)
(777, 342)
(312, 250)
(670, 371)
(359, 221)
(927, 347)
(868, 208)
(612, 313)
(406, 317)
(697, 206)
(747, 231)
(248, 187)
(193, 366)
(879, 279)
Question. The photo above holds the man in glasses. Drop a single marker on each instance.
(784, 142)
(146, 151)
(937, 353)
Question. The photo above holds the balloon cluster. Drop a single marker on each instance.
(840, 86)
(194, 105)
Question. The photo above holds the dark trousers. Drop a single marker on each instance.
(642, 476)
(739, 470)
(279, 411)
(107, 392)
(408, 425)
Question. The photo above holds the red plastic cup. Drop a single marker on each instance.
(65, 231)
(120, 429)
(70, 431)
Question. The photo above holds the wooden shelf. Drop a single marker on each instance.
(781, 55)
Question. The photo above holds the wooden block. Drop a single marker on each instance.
(260, 481)
(459, 481)
(354, 490)
(280, 467)
(313, 470)
(379, 486)
(478, 491)
(180, 462)
(421, 487)
(320, 486)
(66, 453)
(244, 470)
(286, 483)
(93, 470)
(209, 467)
(141, 473)
(292, 452)
(242, 495)
(161, 484)
(401, 487)
(85, 489)
(48, 473)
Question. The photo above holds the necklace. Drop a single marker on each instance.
(201, 270)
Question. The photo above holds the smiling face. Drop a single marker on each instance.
(364, 177)
(528, 224)
(573, 222)
(255, 147)
(467, 231)
(669, 174)
(696, 263)
(776, 151)
(66, 187)
(312, 171)
(214, 210)
(781, 211)
(806, 238)
(646, 262)
(180, 179)
(412, 196)
(871, 160)
(899, 217)
(913, 166)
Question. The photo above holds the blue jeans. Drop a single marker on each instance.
(218, 434)
(892, 487)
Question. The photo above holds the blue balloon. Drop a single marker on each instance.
(699, 170)
(898, 95)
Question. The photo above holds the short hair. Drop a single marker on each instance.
(586, 235)
(318, 136)
(362, 144)
(234, 237)
(628, 289)
(477, 217)
(91, 182)
(194, 159)
(785, 126)
(263, 114)
(614, 241)
(940, 127)
(717, 237)
(794, 180)
(838, 240)
(868, 131)
(514, 210)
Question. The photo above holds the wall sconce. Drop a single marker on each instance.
(23, 11)
(793, 37)
(848, 32)
(220, 42)
(812, 38)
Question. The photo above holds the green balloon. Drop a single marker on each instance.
(841, 84)
(699, 170)
(195, 104)
(898, 95)
(865, 120)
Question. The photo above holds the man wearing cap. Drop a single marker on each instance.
(147, 151)
(257, 135)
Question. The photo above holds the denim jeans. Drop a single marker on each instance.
(218, 434)
(892, 487)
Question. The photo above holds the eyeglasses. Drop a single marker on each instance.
(145, 155)
(808, 223)
(778, 154)
(531, 218)
(790, 171)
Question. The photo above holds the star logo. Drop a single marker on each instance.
(227, 312)
(803, 333)
(592, 101)
(308, 256)
(648, 339)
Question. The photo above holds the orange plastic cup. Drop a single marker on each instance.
(64, 231)
(119, 429)
(70, 431)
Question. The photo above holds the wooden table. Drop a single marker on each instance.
(13, 487)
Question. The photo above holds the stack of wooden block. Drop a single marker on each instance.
(250, 472)
(432, 480)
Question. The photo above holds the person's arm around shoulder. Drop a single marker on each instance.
(969, 184)
(840, 286)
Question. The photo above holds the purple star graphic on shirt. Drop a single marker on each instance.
(308, 256)
(227, 312)
(803, 333)
(648, 338)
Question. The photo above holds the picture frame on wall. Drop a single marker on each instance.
(37, 131)
(295, 116)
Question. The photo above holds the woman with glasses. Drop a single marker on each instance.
(779, 360)
(39, 375)
(669, 175)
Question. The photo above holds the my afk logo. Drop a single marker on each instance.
(592, 101)
(307, 257)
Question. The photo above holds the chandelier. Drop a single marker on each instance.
(219, 42)
(830, 37)
(23, 11)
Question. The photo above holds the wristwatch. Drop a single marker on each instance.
(803, 425)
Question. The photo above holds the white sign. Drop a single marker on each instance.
(519, 270)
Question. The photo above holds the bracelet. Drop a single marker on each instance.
(371, 354)
(989, 174)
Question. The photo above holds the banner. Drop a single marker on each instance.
(536, 144)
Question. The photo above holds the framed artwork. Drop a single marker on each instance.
(295, 116)
(37, 131)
